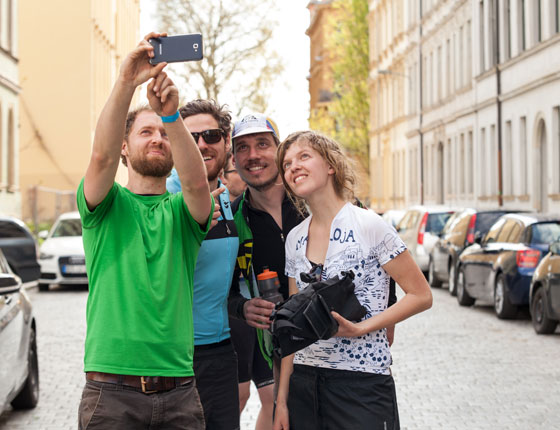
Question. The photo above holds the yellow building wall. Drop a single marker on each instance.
(70, 52)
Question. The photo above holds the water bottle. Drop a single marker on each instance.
(269, 284)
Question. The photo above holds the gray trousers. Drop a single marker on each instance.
(112, 406)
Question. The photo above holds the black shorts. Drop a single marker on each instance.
(215, 369)
(251, 365)
(322, 398)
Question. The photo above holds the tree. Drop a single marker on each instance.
(347, 115)
(238, 63)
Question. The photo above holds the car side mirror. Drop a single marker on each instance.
(43, 234)
(478, 236)
(554, 248)
(8, 283)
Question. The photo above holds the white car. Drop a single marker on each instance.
(420, 228)
(61, 255)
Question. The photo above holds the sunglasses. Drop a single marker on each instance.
(210, 136)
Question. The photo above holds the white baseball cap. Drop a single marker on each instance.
(254, 123)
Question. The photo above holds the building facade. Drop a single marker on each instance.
(465, 106)
(70, 53)
(320, 72)
(10, 194)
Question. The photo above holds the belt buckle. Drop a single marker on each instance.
(144, 390)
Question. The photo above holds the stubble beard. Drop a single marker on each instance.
(262, 186)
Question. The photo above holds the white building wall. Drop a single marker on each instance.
(10, 195)
(460, 87)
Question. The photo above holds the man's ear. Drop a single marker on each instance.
(124, 148)
(228, 143)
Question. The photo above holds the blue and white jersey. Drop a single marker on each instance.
(362, 242)
(213, 273)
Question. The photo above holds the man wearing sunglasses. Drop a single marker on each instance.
(215, 361)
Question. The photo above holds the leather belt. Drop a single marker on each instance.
(148, 384)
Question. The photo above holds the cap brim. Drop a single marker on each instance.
(252, 130)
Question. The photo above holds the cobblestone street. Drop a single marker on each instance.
(455, 368)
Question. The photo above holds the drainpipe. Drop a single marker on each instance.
(421, 107)
(498, 101)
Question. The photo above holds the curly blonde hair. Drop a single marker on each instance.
(344, 178)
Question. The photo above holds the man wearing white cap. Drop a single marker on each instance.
(264, 216)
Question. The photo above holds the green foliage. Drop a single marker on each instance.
(347, 118)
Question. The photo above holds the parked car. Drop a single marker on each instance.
(19, 370)
(500, 268)
(463, 228)
(393, 216)
(62, 255)
(544, 295)
(420, 228)
(20, 248)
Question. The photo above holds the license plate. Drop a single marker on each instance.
(78, 268)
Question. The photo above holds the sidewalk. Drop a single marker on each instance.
(251, 411)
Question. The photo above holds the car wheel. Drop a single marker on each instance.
(462, 296)
(432, 278)
(43, 287)
(452, 280)
(541, 323)
(502, 304)
(29, 395)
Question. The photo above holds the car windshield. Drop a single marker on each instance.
(546, 232)
(436, 222)
(68, 227)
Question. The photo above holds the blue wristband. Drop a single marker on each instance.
(170, 118)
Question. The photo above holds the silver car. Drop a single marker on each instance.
(420, 228)
(19, 370)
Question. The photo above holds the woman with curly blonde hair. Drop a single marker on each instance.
(343, 382)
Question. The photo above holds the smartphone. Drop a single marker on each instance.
(174, 49)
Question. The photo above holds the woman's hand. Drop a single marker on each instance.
(281, 417)
(347, 328)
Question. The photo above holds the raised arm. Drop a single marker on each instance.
(164, 100)
(109, 133)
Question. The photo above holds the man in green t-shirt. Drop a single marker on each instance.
(141, 246)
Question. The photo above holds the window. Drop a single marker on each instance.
(506, 230)
(460, 77)
(556, 145)
(439, 74)
(469, 65)
(491, 17)
(521, 25)
(11, 152)
(448, 66)
(508, 161)
(494, 231)
(538, 19)
(482, 152)
(470, 167)
(507, 29)
(462, 161)
(10, 229)
(68, 227)
(523, 156)
(557, 16)
(447, 168)
(482, 45)
(493, 170)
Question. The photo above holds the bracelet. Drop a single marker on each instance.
(170, 118)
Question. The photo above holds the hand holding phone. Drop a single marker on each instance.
(174, 49)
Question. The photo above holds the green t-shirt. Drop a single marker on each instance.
(141, 253)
